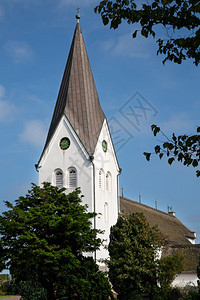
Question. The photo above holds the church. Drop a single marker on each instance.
(79, 152)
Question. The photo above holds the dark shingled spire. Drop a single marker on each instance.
(77, 98)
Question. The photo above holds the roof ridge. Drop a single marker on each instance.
(159, 211)
(147, 206)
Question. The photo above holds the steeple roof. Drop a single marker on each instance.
(78, 99)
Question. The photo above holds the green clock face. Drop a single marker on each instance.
(64, 143)
(104, 146)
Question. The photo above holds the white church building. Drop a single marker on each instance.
(79, 152)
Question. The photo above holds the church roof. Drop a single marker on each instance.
(78, 99)
(173, 230)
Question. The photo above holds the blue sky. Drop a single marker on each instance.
(35, 37)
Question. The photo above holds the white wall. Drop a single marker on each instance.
(54, 157)
(185, 279)
(106, 201)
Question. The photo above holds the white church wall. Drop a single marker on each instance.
(185, 279)
(106, 190)
(75, 156)
(106, 195)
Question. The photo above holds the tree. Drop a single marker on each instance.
(183, 148)
(169, 266)
(179, 18)
(134, 265)
(43, 238)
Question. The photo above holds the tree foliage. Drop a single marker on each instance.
(183, 148)
(180, 19)
(134, 266)
(169, 266)
(43, 238)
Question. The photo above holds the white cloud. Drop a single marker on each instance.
(108, 45)
(125, 45)
(19, 51)
(179, 123)
(7, 111)
(34, 133)
(2, 91)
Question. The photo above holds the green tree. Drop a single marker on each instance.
(43, 238)
(183, 148)
(179, 18)
(169, 266)
(134, 266)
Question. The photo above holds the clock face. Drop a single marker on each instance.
(64, 143)
(104, 146)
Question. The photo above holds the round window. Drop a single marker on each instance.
(64, 143)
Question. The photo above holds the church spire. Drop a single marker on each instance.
(77, 98)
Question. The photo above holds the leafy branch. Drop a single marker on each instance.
(181, 17)
(183, 148)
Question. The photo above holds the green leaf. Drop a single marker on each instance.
(105, 20)
(147, 155)
(161, 155)
(165, 145)
(195, 163)
(134, 34)
(155, 129)
(170, 160)
(157, 149)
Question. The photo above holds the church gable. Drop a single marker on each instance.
(61, 160)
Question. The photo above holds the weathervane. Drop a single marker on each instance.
(78, 14)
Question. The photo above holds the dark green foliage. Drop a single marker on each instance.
(31, 290)
(43, 237)
(4, 277)
(134, 266)
(182, 148)
(189, 292)
(180, 19)
(168, 268)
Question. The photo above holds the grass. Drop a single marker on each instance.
(3, 297)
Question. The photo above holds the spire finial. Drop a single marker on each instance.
(78, 14)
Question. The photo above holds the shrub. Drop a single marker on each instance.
(30, 290)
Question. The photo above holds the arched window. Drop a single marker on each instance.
(101, 179)
(108, 182)
(72, 177)
(59, 178)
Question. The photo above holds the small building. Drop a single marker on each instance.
(178, 238)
